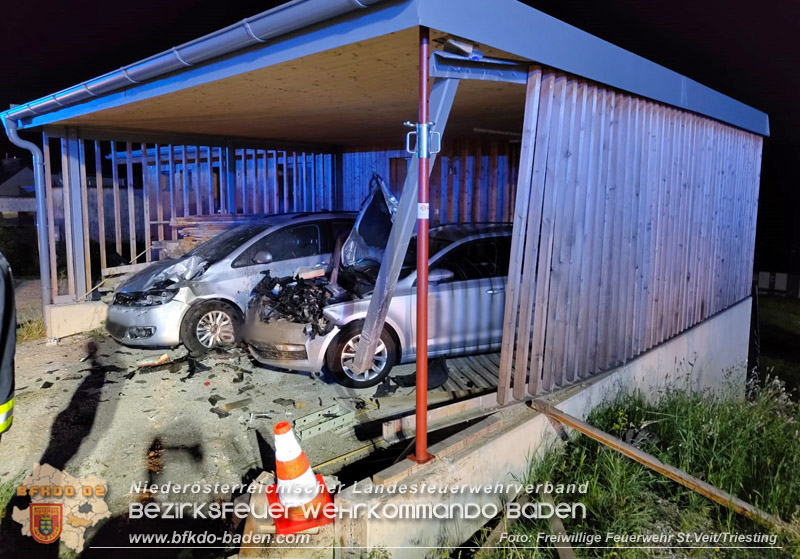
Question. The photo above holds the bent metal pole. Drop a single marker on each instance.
(423, 152)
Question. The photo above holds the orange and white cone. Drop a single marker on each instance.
(302, 493)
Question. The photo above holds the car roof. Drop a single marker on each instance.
(453, 232)
(283, 219)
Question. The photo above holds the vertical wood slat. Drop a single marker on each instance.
(265, 203)
(146, 205)
(286, 206)
(197, 182)
(212, 207)
(131, 201)
(51, 222)
(184, 183)
(117, 211)
(561, 222)
(65, 197)
(171, 180)
(101, 219)
(295, 190)
(87, 258)
(159, 190)
(513, 287)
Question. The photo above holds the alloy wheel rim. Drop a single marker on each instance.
(378, 360)
(215, 328)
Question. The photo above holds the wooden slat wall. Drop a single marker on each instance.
(634, 222)
(129, 199)
(471, 181)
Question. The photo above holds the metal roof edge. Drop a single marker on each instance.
(261, 28)
(523, 31)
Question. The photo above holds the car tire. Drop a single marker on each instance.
(346, 341)
(210, 325)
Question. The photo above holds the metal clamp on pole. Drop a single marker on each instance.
(428, 141)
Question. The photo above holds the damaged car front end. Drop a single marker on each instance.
(305, 323)
(200, 299)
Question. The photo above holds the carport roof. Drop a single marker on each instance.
(350, 79)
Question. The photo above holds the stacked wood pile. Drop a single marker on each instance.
(195, 230)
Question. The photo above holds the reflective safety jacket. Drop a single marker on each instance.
(8, 343)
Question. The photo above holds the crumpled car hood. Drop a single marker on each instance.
(165, 272)
(367, 240)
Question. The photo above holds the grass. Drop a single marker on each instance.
(31, 329)
(779, 324)
(7, 490)
(747, 448)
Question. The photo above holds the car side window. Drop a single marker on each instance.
(290, 242)
(482, 258)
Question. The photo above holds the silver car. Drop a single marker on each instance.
(200, 299)
(468, 269)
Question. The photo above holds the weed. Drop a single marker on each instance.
(747, 448)
(31, 329)
(7, 490)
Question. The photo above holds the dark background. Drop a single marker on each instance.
(745, 50)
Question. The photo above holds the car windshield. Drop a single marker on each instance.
(225, 243)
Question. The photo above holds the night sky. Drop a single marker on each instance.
(746, 50)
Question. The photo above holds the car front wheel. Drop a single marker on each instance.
(210, 325)
(342, 352)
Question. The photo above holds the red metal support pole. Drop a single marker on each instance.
(421, 450)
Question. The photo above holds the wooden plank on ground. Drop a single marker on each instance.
(695, 484)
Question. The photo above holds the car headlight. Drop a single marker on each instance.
(149, 298)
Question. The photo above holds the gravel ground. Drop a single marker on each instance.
(84, 406)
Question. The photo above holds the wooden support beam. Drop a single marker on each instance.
(689, 481)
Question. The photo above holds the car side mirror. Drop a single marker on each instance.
(262, 257)
(440, 275)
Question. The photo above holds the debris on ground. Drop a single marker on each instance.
(259, 415)
(47, 384)
(155, 457)
(230, 406)
(283, 402)
(220, 412)
(149, 362)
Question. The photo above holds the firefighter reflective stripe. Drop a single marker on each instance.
(6, 415)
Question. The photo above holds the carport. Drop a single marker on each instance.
(632, 189)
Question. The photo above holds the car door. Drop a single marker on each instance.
(290, 248)
(465, 313)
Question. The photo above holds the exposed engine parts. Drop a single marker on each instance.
(296, 299)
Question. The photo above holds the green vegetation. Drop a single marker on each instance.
(747, 448)
(779, 322)
(31, 329)
(7, 490)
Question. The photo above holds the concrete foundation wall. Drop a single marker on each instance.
(73, 318)
(710, 356)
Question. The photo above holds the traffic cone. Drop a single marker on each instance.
(298, 490)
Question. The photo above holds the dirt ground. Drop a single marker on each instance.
(84, 406)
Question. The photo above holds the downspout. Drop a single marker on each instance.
(41, 217)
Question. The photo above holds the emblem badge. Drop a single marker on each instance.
(45, 522)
